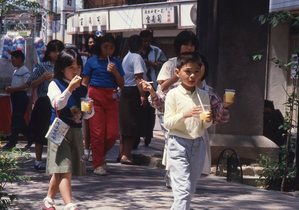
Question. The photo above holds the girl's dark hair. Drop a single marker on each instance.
(204, 61)
(185, 58)
(102, 39)
(134, 43)
(184, 38)
(53, 46)
(66, 59)
(87, 48)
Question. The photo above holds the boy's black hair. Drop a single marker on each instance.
(134, 43)
(184, 38)
(102, 39)
(146, 33)
(18, 54)
(66, 59)
(185, 58)
(53, 46)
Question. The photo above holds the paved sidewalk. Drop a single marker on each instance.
(142, 187)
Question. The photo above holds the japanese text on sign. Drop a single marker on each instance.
(163, 15)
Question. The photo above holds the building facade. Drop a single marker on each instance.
(165, 18)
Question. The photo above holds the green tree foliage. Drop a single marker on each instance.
(9, 161)
(6, 6)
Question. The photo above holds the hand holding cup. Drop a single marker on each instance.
(229, 97)
(86, 104)
(48, 76)
(205, 113)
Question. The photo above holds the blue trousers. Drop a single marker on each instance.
(19, 102)
(186, 159)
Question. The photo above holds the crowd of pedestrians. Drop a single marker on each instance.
(125, 96)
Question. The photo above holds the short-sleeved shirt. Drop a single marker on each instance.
(133, 64)
(37, 72)
(167, 71)
(20, 76)
(96, 69)
(154, 54)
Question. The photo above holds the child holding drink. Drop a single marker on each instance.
(103, 74)
(63, 161)
(186, 147)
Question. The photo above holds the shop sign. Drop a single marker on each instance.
(158, 15)
(97, 20)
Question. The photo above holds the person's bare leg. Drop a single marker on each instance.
(128, 143)
(86, 134)
(65, 188)
(54, 185)
(38, 151)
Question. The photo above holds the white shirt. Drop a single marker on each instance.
(167, 71)
(177, 102)
(20, 76)
(132, 64)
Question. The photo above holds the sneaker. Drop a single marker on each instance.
(70, 206)
(87, 155)
(39, 166)
(48, 204)
(8, 146)
(27, 146)
(100, 171)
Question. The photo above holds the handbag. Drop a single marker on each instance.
(57, 130)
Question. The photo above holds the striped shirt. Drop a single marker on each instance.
(37, 72)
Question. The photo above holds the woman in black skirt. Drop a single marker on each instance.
(42, 75)
(132, 99)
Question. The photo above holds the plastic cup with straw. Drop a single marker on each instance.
(205, 110)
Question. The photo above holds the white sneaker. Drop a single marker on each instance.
(70, 206)
(48, 203)
(100, 171)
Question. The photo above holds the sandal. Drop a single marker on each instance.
(126, 161)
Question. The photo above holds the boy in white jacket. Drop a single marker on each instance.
(186, 148)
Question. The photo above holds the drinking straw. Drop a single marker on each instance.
(201, 104)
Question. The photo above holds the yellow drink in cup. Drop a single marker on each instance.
(229, 96)
(86, 104)
(206, 110)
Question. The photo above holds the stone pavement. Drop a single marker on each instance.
(142, 187)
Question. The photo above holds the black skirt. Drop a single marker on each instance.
(40, 120)
(130, 112)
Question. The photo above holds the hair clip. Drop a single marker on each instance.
(99, 34)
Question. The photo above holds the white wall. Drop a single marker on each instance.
(277, 78)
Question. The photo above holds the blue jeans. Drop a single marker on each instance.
(186, 159)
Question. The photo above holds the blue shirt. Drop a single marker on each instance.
(96, 69)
